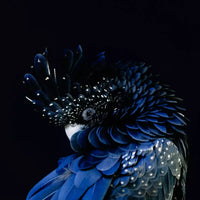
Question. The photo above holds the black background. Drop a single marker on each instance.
(162, 33)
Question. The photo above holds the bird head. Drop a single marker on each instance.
(101, 104)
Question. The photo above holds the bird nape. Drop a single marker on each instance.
(126, 127)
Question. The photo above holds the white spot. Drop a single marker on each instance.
(168, 143)
(126, 154)
(122, 182)
(70, 130)
(47, 78)
(157, 144)
(139, 192)
(140, 151)
(132, 178)
(130, 163)
(159, 149)
(149, 166)
(152, 157)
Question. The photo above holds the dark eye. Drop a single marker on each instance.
(88, 113)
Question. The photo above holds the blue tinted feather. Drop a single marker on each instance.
(108, 162)
(41, 65)
(74, 166)
(49, 178)
(99, 153)
(63, 163)
(67, 188)
(180, 118)
(46, 186)
(93, 138)
(117, 137)
(88, 162)
(103, 136)
(31, 82)
(100, 59)
(160, 127)
(98, 190)
(162, 114)
(178, 130)
(78, 184)
(113, 169)
(86, 178)
(132, 126)
(175, 121)
(138, 136)
(144, 128)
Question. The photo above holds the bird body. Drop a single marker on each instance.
(127, 130)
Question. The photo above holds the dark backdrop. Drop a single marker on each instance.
(162, 33)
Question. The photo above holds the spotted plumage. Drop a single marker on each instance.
(127, 129)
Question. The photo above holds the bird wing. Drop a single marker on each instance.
(149, 171)
(78, 177)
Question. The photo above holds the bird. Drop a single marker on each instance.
(126, 127)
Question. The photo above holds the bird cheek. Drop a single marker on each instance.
(71, 129)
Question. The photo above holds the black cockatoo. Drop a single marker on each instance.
(126, 127)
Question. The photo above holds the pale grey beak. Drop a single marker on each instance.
(71, 129)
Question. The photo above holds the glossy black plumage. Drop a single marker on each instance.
(133, 144)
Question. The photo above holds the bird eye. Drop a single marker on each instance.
(88, 113)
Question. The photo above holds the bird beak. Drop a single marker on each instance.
(71, 129)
